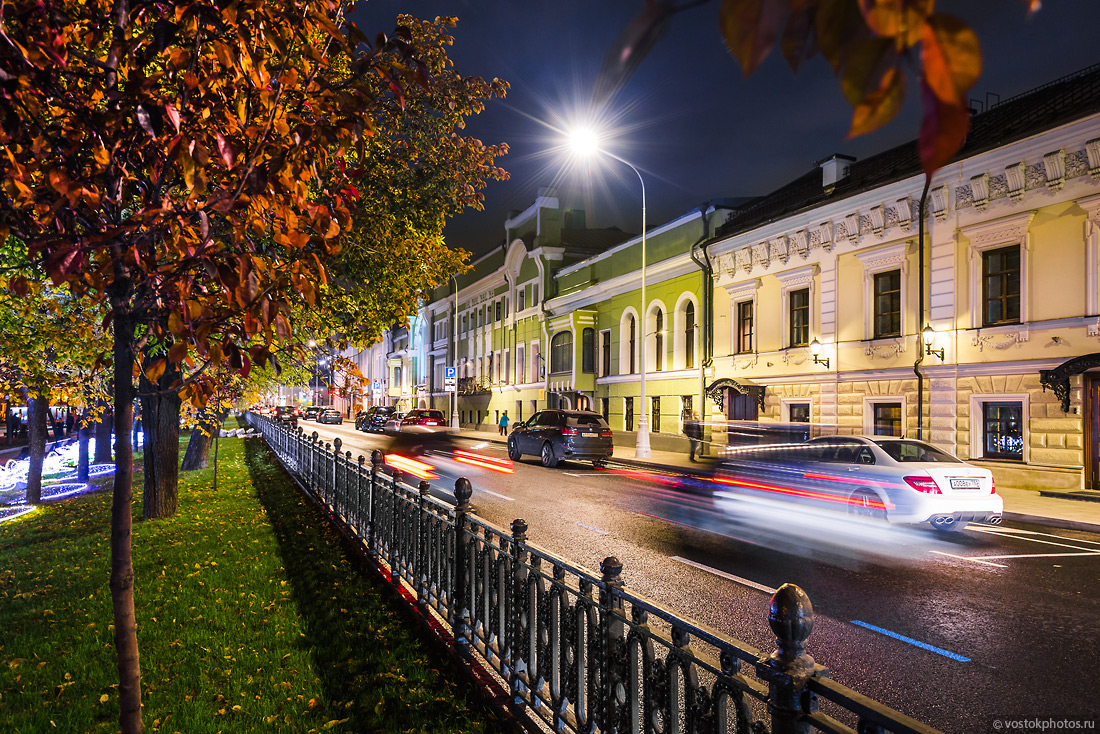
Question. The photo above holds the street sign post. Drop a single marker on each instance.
(450, 381)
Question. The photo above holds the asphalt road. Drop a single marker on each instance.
(1001, 622)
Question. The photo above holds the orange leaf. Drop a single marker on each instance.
(898, 19)
(178, 352)
(798, 42)
(750, 28)
(154, 371)
(840, 27)
(865, 68)
(880, 106)
(942, 131)
(952, 58)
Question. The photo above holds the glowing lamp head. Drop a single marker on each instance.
(929, 335)
(815, 348)
(584, 142)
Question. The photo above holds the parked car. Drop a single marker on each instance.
(554, 435)
(373, 419)
(311, 412)
(330, 415)
(423, 417)
(898, 480)
(392, 423)
(287, 415)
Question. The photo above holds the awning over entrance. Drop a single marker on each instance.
(1057, 379)
(716, 390)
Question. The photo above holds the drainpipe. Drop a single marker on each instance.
(920, 310)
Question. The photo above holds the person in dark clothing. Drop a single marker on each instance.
(693, 429)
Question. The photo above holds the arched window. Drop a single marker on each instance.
(659, 341)
(689, 335)
(561, 352)
(588, 350)
(633, 346)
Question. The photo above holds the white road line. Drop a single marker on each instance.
(1014, 532)
(969, 558)
(481, 491)
(723, 574)
(587, 474)
(594, 530)
(1047, 555)
(1044, 542)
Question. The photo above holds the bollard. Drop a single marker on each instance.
(423, 565)
(460, 610)
(517, 648)
(789, 668)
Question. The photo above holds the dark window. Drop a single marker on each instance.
(605, 354)
(689, 335)
(659, 340)
(588, 350)
(605, 407)
(800, 317)
(522, 298)
(628, 414)
(632, 329)
(500, 307)
(744, 327)
(887, 419)
(799, 412)
(887, 318)
(561, 352)
(687, 403)
(916, 451)
(1001, 279)
(655, 422)
(1003, 429)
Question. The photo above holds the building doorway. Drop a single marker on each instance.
(740, 407)
(1092, 430)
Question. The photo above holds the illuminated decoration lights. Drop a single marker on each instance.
(11, 513)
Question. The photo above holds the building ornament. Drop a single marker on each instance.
(1012, 338)
(800, 243)
(781, 248)
(979, 191)
(824, 236)
(878, 220)
(939, 197)
(761, 254)
(851, 222)
(1092, 150)
(1055, 165)
(1014, 177)
(789, 360)
(903, 208)
(1094, 328)
(892, 349)
(750, 360)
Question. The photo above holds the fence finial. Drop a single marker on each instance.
(463, 492)
(376, 458)
(519, 530)
(336, 444)
(791, 617)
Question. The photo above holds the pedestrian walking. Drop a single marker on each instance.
(503, 424)
(693, 429)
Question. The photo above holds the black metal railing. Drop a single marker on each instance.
(576, 649)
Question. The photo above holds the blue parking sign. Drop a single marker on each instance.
(450, 373)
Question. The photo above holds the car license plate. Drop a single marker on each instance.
(430, 423)
(590, 435)
(965, 484)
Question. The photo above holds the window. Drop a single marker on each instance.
(744, 327)
(887, 304)
(588, 349)
(605, 353)
(561, 352)
(628, 345)
(505, 302)
(628, 414)
(480, 317)
(521, 365)
(887, 419)
(686, 406)
(689, 335)
(605, 407)
(535, 294)
(1003, 430)
(536, 358)
(500, 309)
(659, 340)
(521, 304)
(798, 413)
(1001, 284)
(507, 367)
(655, 421)
(799, 305)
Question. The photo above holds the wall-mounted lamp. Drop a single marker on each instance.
(929, 336)
(815, 350)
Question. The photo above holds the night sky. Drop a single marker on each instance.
(687, 119)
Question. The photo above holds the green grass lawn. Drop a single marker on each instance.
(251, 617)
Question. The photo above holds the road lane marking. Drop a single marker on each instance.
(1047, 555)
(1009, 532)
(969, 558)
(594, 530)
(482, 491)
(723, 574)
(911, 641)
(586, 474)
(1044, 542)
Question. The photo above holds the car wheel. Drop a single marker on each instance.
(549, 460)
(599, 463)
(864, 503)
(513, 450)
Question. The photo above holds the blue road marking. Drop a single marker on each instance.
(911, 641)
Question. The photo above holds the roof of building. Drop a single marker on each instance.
(1051, 105)
(592, 240)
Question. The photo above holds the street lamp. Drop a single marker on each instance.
(454, 362)
(584, 142)
(815, 350)
(929, 336)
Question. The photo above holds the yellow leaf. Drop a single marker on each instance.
(103, 698)
(15, 662)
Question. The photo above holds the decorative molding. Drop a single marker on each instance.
(1014, 177)
(892, 349)
(878, 220)
(939, 198)
(1055, 165)
(979, 190)
(881, 258)
(800, 242)
(1004, 230)
(744, 290)
(797, 277)
(1091, 205)
(761, 254)
(1057, 379)
(1011, 338)
(824, 232)
(903, 208)
(1092, 150)
(781, 249)
(788, 359)
(750, 361)
(851, 222)
(1093, 329)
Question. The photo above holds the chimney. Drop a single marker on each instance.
(834, 170)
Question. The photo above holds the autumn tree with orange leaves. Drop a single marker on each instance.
(183, 162)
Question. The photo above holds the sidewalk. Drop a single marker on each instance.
(1053, 509)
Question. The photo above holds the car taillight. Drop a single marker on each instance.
(992, 486)
(923, 484)
(567, 431)
(606, 433)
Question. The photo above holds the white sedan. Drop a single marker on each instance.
(899, 480)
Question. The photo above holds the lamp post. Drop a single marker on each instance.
(584, 142)
(454, 362)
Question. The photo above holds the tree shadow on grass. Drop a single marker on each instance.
(374, 667)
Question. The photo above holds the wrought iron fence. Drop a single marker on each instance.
(577, 651)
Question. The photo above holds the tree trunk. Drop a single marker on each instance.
(122, 520)
(9, 423)
(83, 436)
(36, 446)
(198, 450)
(58, 425)
(103, 430)
(160, 420)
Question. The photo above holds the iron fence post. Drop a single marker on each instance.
(345, 499)
(613, 681)
(372, 500)
(394, 546)
(335, 496)
(359, 496)
(515, 651)
(298, 452)
(790, 667)
(313, 448)
(421, 567)
(460, 623)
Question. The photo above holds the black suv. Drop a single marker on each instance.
(553, 435)
(287, 415)
(312, 412)
(373, 419)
